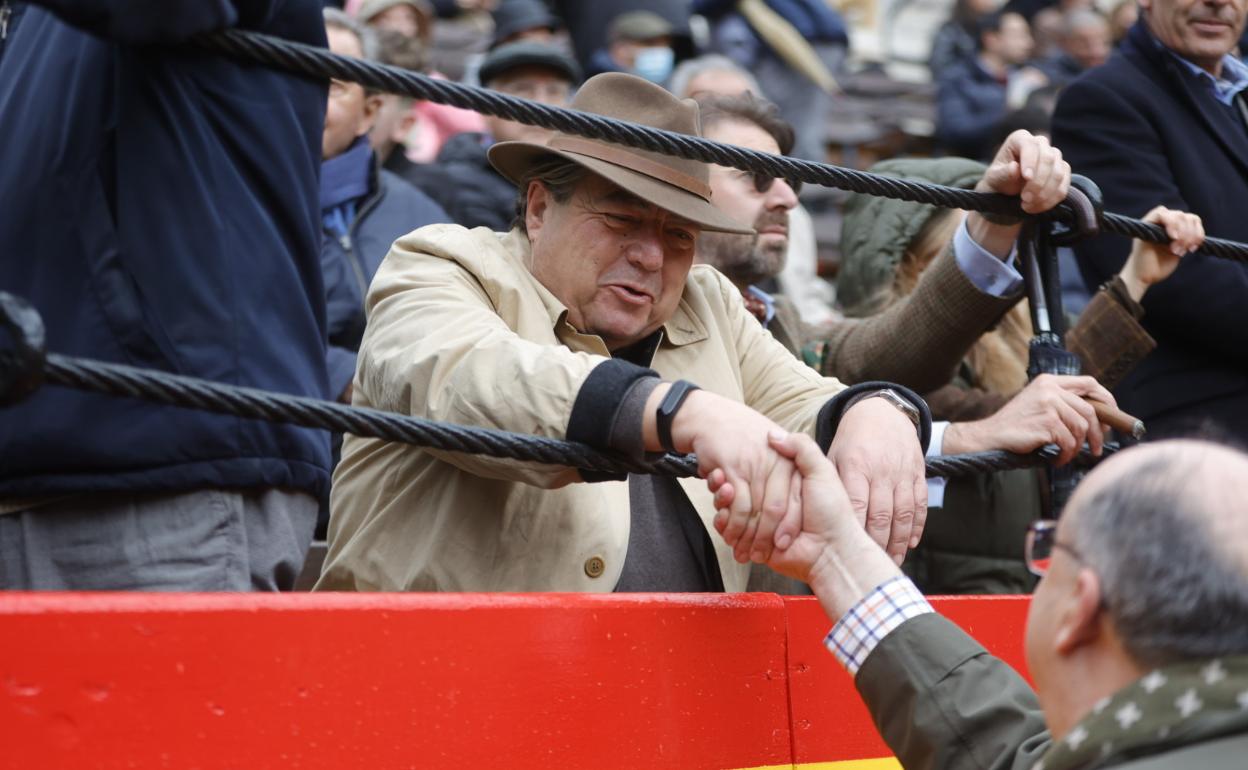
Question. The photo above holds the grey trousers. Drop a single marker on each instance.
(208, 540)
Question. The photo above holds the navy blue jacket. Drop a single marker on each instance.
(970, 105)
(1150, 133)
(392, 209)
(160, 210)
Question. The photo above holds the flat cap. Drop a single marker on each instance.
(526, 53)
(639, 25)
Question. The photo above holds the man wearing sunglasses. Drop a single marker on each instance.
(918, 348)
(1137, 638)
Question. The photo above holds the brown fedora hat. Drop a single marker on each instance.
(678, 185)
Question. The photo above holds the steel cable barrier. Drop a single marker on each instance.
(27, 367)
(303, 59)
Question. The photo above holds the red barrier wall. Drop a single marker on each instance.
(441, 680)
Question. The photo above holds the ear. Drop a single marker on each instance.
(538, 200)
(372, 108)
(1079, 621)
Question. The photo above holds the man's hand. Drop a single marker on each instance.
(1051, 410)
(877, 454)
(1026, 166)
(826, 510)
(728, 435)
(832, 553)
(1152, 263)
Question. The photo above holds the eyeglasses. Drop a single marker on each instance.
(763, 183)
(1041, 543)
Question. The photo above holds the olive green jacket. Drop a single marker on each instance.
(941, 702)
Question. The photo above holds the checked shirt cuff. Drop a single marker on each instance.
(856, 635)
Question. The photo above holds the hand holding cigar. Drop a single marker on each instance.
(1118, 419)
(1064, 410)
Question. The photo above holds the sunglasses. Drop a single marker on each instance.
(763, 183)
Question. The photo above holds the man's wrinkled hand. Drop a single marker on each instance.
(1052, 409)
(730, 437)
(826, 511)
(877, 454)
(1032, 169)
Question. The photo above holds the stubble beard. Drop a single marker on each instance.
(742, 258)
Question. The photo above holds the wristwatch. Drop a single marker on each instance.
(667, 410)
(901, 402)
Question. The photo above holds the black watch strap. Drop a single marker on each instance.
(667, 410)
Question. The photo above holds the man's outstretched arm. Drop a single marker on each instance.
(936, 696)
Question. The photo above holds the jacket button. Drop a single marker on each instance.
(595, 566)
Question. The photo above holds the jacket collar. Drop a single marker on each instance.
(1221, 121)
(1178, 705)
(1234, 75)
(348, 177)
(683, 328)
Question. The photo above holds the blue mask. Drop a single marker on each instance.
(655, 63)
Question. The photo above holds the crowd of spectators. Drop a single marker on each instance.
(927, 303)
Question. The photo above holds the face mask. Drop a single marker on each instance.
(654, 64)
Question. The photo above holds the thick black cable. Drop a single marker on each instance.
(307, 60)
(189, 392)
(303, 59)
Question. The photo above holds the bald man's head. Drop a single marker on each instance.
(1165, 527)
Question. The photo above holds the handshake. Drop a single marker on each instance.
(851, 508)
(778, 497)
(832, 551)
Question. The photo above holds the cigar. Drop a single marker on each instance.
(1118, 419)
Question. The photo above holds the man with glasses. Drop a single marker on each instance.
(1137, 638)
(462, 179)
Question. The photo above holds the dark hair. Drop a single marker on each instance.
(988, 23)
(557, 174)
(1172, 590)
(718, 108)
(965, 15)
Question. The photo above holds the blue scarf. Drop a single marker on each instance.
(344, 180)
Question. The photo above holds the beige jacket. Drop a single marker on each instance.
(460, 331)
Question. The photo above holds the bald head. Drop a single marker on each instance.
(1165, 527)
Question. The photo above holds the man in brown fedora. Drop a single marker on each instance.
(586, 322)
